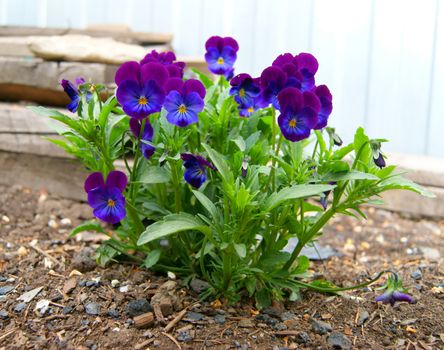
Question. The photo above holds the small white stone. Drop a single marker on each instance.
(22, 251)
(116, 329)
(53, 224)
(403, 239)
(48, 263)
(42, 306)
(124, 289)
(66, 222)
(171, 275)
(5, 219)
(115, 283)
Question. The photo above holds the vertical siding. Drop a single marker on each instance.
(382, 59)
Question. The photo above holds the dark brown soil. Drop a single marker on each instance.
(35, 252)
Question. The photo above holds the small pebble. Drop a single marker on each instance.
(6, 289)
(339, 341)
(124, 289)
(320, 327)
(114, 283)
(362, 317)
(287, 315)
(220, 319)
(280, 326)
(92, 309)
(66, 222)
(138, 307)
(19, 307)
(113, 313)
(53, 224)
(303, 338)
(67, 310)
(193, 316)
(4, 315)
(416, 275)
(184, 336)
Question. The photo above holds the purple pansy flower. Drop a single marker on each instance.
(325, 98)
(221, 55)
(106, 198)
(73, 92)
(273, 80)
(140, 89)
(245, 89)
(299, 113)
(248, 110)
(167, 58)
(195, 169)
(379, 160)
(147, 135)
(184, 101)
(307, 66)
(394, 291)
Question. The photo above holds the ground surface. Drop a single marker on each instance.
(93, 311)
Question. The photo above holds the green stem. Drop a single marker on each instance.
(271, 178)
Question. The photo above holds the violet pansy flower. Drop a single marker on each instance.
(273, 80)
(106, 198)
(184, 101)
(168, 59)
(245, 89)
(221, 55)
(325, 97)
(140, 89)
(146, 135)
(299, 113)
(394, 291)
(73, 92)
(195, 169)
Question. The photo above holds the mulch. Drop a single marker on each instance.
(74, 304)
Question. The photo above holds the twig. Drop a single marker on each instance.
(7, 333)
(45, 254)
(175, 320)
(54, 317)
(143, 344)
(172, 339)
(159, 314)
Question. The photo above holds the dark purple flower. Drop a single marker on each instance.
(273, 80)
(221, 55)
(146, 135)
(106, 198)
(325, 98)
(140, 89)
(299, 113)
(248, 110)
(73, 92)
(288, 63)
(245, 89)
(379, 160)
(184, 101)
(392, 296)
(195, 169)
(167, 58)
(307, 66)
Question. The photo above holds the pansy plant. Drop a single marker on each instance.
(220, 172)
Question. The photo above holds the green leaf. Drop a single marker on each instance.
(171, 224)
(241, 249)
(208, 205)
(240, 143)
(263, 298)
(203, 78)
(56, 115)
(154, 175)
(152, 258)
(342, 152)
(220, 163)
(87, 226)
(349, 175)
(302, 266)
(294, 192)
(401, 183)
(362, 148)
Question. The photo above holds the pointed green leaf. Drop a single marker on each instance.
(220, 163)
(152, 258)
(87, 226)
(241, 249)
(208, 205)
(349, 175)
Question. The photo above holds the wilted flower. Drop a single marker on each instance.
(335, 137)
(299, 113)
(245, 89)
(325, 98)
(394, 292)
(184, 101)
(221, 55)
(140, 88)
(378, 158)
(167, 58)
(147, 135)
(106, 198)
(73, 92)
(195, 169)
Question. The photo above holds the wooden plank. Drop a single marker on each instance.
(17, 119)
(141, 38)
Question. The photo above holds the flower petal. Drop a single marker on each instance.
(174, 84)
(172, 101)
(290, 97)
(194, 85)
(128, 71)
(94, 180)
(194, 102)
(154, 71)
(112, 213)
(307, 62)
(214, 42)
(116, 179)
(231, 42)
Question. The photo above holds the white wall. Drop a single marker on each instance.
(382, 59)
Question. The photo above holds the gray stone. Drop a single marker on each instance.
(67, 310)
(416, 275)
(339, 341)
(92, 309)
(280, 326)
(302, 338)
(83, 261)
(198, 285)
(362, 317)
(184, 336)
(287, 315)
(4, 315)
(138, 307)
(220, 319)
(320, 327)
(113, 313)
(6, 289)
(193, 316)
(20, 307)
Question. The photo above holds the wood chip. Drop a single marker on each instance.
(144, 321)
(69, 285)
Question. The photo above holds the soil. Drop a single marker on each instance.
(84, 306)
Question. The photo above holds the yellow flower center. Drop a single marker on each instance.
(241, 92)
(182, 108)
(111, 203)
(142, 100)
(292, 123)
(250, 110)
(220, 60)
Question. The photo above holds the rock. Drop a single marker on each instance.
(267, 319)
(362, 317)
(83, 261)
(287, 315)
(28, 296)
(220, 319)
(69, 285)
(430, 253)
(339, 341)
(314, 252)
(193, 316)
(67, 310)
(42, 306)
(90, 345)
(184, 336)
(3, 278)
(66, 222)
(198, 285)
(92, 309)
(246, 323)
(280, 326)
(115, 283)
(124, 289)
(4, 315)
(19, 307)
(416, 275)
(320, 327)
(167, 298)
(276, 309)
(6, 289)
(138, 307)
(113, 313)
(302, 338)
